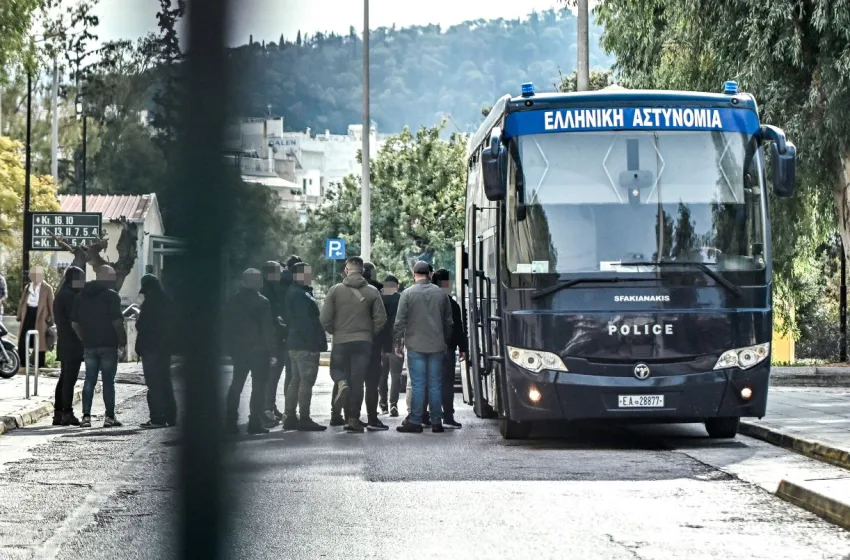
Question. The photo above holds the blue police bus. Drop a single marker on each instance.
(616, 262)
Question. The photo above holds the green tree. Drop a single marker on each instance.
(599, 79)
(418, 189)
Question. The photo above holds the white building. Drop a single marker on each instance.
(141, 209)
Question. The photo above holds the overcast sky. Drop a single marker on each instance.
(267, 19)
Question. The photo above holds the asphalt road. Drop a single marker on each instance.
(582, 492)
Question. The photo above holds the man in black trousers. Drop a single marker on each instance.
(252, 345)
(458, 343)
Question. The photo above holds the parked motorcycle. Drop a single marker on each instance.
(9, 359)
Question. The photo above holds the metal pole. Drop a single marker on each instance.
(54, 132)
(365, 192)
(842, 350)
(583, 66)
(27, 171)
(85, 142)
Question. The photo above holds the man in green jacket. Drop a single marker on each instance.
(306, 342)
(353, 313)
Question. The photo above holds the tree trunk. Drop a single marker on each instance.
(842, 200)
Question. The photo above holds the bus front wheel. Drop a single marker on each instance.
(722, 428)
(514, 430)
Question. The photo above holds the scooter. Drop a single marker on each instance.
(9, 359)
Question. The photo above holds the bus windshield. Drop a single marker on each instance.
(588, 202)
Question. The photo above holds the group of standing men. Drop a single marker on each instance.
(274, 324)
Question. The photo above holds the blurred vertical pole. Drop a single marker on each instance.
(54, 122)
(365, 191)
(85, 143)
(201, 199)
(842, 350)
(27, 170)
(583, 66)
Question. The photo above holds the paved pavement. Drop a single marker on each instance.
(582, 492)
(821, 414)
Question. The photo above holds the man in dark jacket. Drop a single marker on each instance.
(457, 343)
(391, 364)
(69, 349)
(305, 345)
(98, 322)
(373, 373)
(274, 290)
(251, 341)
(153, 343)
(353, 313)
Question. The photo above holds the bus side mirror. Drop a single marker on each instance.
(784, 169)
(494, 167)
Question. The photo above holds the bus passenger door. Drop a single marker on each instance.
(462, 291)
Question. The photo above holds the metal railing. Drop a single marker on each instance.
(31, 334)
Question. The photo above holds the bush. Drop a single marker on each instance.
(819, 335)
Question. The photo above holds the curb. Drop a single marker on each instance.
(825, 507)
(809, 448)
(33, 415)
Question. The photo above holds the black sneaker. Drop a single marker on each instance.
(111, 422)
(354, 426)
(376, 426)
(437, 428)
(86, 423)
(255, 429)
(385, 409)
(277, 414)
(337, 421)
(408, 428)
(68, 419)
(57, 418)
(151, 425)
(394, 411)
(452, 425)
(307, 425)
(291, 423)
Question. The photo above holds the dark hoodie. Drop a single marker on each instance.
(68, 346)
(303, 311)
(275, 293)
(95, 310)
(156, 322)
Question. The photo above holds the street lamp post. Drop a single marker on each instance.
(81, 114)
(365, 191)
(25, 262)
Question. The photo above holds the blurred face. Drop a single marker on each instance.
(37, 275)
(273, 275)
(78, 283)
(446, 285)
(305, 277)
(390, 288)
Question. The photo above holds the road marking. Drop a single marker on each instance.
(84, 514)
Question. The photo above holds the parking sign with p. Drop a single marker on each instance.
(335, 249)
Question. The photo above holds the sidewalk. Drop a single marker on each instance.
(813, 421)
(17, 412)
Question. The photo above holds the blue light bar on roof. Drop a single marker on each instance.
(730, 88)
(527, 89)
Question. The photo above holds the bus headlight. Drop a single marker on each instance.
(744, 358)
(535, 360)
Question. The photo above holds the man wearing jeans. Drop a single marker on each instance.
(424, 323)
(98, 322)
(305, 344)
(354, 314)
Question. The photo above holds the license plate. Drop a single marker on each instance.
(640, 401)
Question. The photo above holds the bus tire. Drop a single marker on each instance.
(722, 428)
(514, 430)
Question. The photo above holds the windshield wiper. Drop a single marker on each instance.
(542, 292)
(713, 274)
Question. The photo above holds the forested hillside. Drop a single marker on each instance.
(418, 73)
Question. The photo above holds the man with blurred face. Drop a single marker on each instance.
(457, 344)
(305, 343)
(99, 324)
(353, 313)
(274, 292)
(391, 364)
(250, 338)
